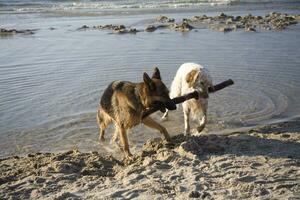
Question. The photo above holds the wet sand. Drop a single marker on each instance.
(261, 163)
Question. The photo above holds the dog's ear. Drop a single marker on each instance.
(156, 74)
(150, 84)
(191, 77)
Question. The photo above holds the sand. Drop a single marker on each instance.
(261, 163)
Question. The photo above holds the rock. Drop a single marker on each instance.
(240, 26)
(198, 18)
(39, 180)
(83, 27)
(258, 17)
(10, 32)
(133, 30)
(183, 27)
(150, 28)
(164, 19)
(194, 194)
(204, 195)
(264, 192)
(181, 189)
(121, 29)
(285, 136)
(229, 21)
(221, 28)
(238, 18)
(222, 15)
(250, 29)
(267, 28)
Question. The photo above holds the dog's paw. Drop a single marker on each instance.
(101, 139)
(163, 119)
(200, 128)
(187, 133)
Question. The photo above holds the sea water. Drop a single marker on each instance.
(51, 81)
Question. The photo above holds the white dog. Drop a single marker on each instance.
(191, 77)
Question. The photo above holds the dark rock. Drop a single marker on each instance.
(133, 30)
(164, 19)
(183, 27)
(264, 192)
(250, 29)
(199, 18)
(258, 17)
(39, 180)
(237, 18)
(83, 27)
(204, 195)
(150, 28)
(122, 30)
(222, 15)
(10, 32)
(194, 194)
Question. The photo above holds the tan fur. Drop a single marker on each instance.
(191, 77)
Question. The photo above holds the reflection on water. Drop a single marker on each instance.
(51, 82)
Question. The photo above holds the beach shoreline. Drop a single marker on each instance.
(258, 163)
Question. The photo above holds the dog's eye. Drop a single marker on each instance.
(202, 83)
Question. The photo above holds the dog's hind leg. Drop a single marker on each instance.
(148, 121)
(103, 121)
(186, 114)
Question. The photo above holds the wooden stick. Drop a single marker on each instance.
(181, 99)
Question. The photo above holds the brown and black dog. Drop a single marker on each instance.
(124, 103)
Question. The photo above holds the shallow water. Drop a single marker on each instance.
(51, 81)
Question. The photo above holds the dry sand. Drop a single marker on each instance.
(262, 163)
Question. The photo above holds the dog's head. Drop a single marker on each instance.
(155, 91)
(200, 80)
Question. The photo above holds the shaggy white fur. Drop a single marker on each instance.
(191, 77)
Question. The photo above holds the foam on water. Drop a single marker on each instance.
(98, 7)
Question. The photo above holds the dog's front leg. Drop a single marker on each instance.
(186, 114)
(203, 119)
(166, 114)
(148, 121)
(124, 141)
(202, 123)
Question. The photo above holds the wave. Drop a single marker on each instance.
(77, 5)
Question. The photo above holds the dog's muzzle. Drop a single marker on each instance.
(202, 93)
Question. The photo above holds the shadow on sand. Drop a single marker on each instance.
(276, 141)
